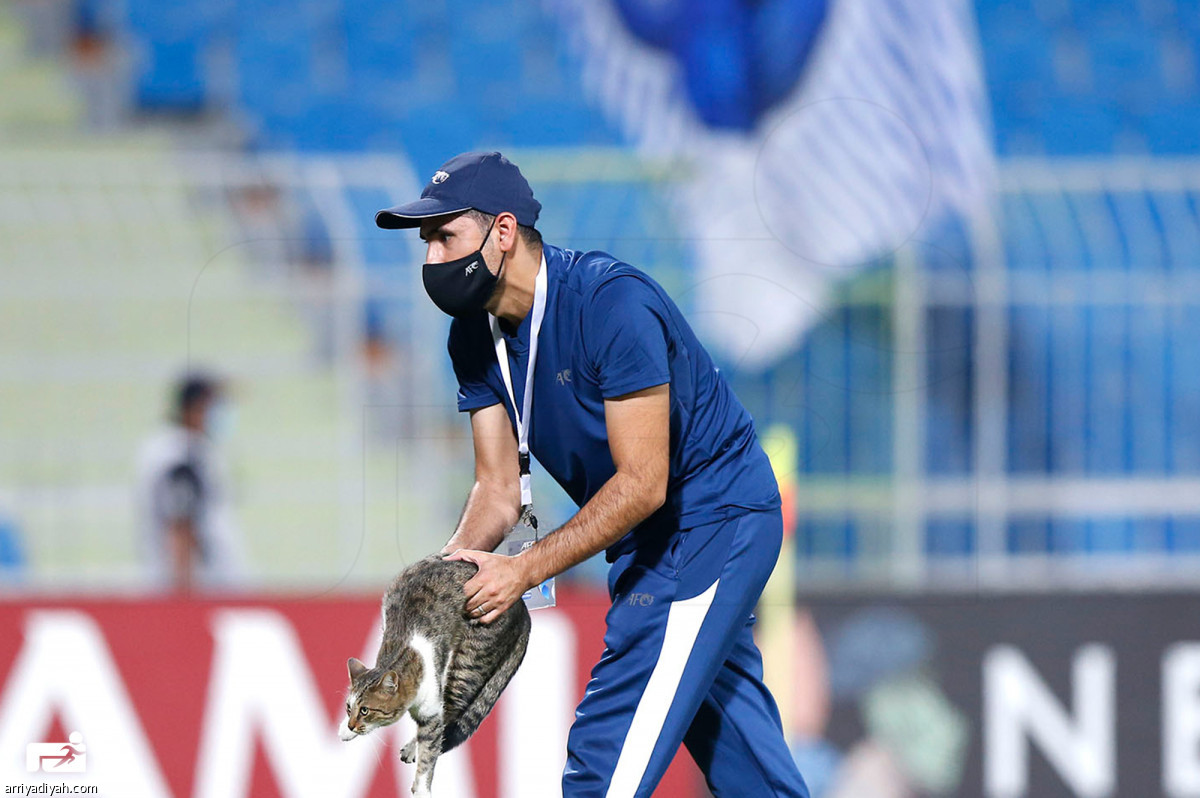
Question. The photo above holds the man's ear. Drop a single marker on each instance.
(506, 226)
(355, 668)
(389, 682)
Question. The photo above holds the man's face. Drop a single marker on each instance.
(450, 237)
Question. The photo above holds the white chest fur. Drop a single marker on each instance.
(428, 702)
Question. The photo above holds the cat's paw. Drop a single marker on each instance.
(408, 754)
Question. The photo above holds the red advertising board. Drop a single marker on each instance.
(230, 698)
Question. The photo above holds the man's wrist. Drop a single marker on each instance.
(530, 567)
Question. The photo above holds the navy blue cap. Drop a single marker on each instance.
(485, 181)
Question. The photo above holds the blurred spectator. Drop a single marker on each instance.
(188, 535)
(100, 68)
(264, 225)
(287, 239)
(315, 256)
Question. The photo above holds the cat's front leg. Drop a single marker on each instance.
(429, 748)
(408, 754)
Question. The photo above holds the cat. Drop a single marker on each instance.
(443, 668)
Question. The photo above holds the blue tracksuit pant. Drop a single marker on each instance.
(680, 665)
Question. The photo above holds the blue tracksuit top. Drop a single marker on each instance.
(609, 330)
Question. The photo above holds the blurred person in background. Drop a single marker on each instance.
(188, 536)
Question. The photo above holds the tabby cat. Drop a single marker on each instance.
(441, 667)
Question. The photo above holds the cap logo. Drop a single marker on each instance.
(439, 177)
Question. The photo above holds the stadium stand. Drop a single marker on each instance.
(1093, 76)
(1098, 324)
(111, 285)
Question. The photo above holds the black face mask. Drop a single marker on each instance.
(463, 286)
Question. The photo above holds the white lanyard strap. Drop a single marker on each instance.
(522, 415)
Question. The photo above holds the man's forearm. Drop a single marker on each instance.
(621, 504)
(488, 514)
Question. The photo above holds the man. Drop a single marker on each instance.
(632, 418)
(188, 536)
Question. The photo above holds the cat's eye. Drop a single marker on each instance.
(362, 711)
(347, 709)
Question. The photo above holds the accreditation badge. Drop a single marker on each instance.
(519, 538)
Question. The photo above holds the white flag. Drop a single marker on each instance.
(885, 132)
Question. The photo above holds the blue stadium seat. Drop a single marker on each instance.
(432, 129)
(1069, 333)
(1183, 535)
(1068, 536)
(948, 342)
(172, 40)
(12, 554)
(1127, 67)
(1018, 57)
(1107, 92)
(949, 538)
(870, 383)
(1187, 16)
(1080, 126)
(1028, 536)
(828, 539)
(1091, 14)
(557, 121)
(1000, 16)
(1106, 383)
(1173, 128)
(1148, 535)
(170, 76)
(1109, 535)
(1147, 396)
(1029, 381)
(485, 59)
(1184, 401)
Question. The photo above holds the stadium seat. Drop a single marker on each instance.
(171, 42)
(1127, 67)
(12, 556)
(171, 76)
(1028, 536)
(949, 538)
(1173, 128)
(1080, 126)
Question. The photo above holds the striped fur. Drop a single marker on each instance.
(441, 667)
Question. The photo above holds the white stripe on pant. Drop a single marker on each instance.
(684, 620)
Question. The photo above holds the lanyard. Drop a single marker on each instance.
(523, 414)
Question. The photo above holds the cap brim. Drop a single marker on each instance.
(410, 214)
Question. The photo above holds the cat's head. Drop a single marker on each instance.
(376, 698)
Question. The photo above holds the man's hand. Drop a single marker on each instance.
(500, 583)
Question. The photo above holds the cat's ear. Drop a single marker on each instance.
(356, 668)
(389, 681)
